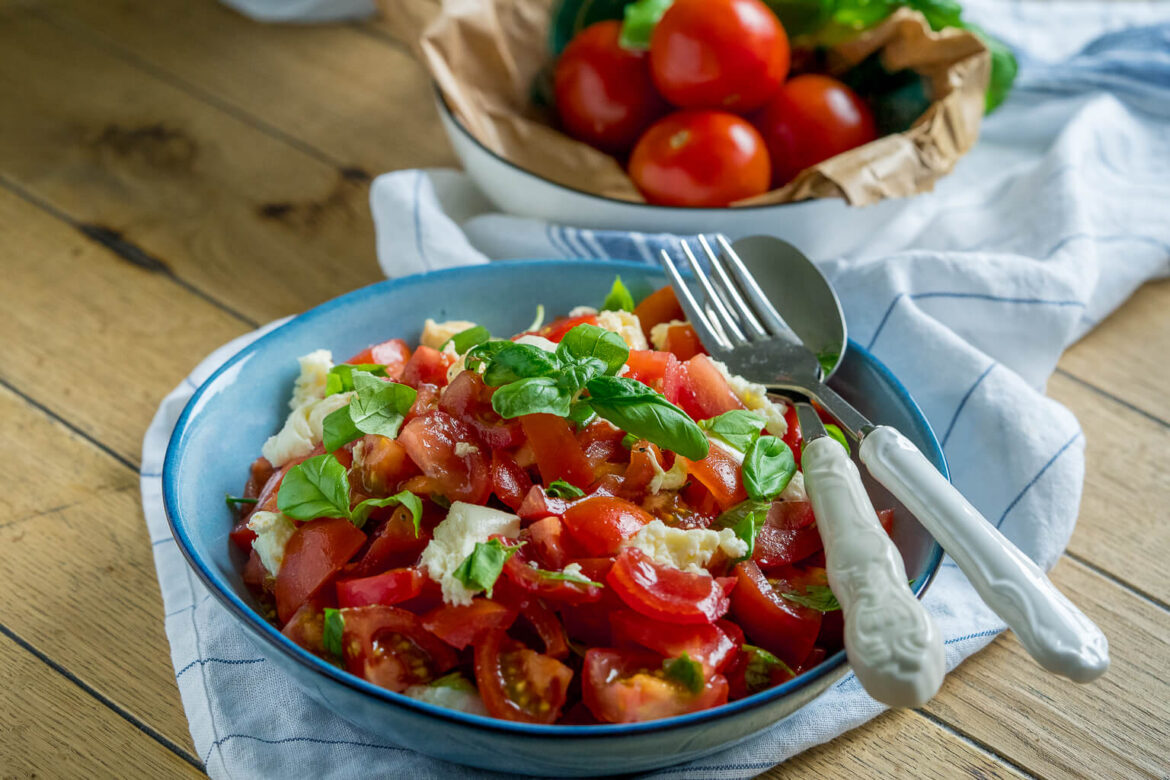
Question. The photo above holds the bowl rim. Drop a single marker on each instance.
(277, 642)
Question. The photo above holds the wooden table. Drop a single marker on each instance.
(172, 175)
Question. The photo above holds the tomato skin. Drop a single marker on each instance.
(721, 474)
(683, 342)
(705, 392)
(383, 465)
(789, 535)
(510, 483)
(886, 518)
(426, 366)
(701, 159)
(390, 647)
(388, 588)
(538, 504)
(648, 366)
(644, 456)
(604, 93)
(314, 554)
(666, 593)
(431, 441)
(810, 119)
(520, 571)
(548, 627)
(468, 399)
(558, 453)
(393, 354)
(792, 437)
(546, 543)
(600, 442)
(501, 663)
(556, 330)
(787, 630)
(726, 54)
(621, 687)
(306, 628)
(707, 644)
(600, 524)
(659, 306)
(461, 625)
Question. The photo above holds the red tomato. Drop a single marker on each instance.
(431, 441)
(700, 158)
(393, 542)
(792, 436)
(648, 367)
(629, 687)
(314, 554)
(258, 476)
(666, 593)
(546, 544)
(426, 401)
(461, 625)
(728, 54)
(785, 629)
(721, 474)
(470, 400)
(604, 93)
(538, 504)
(646, 462)
(600, 442)
(523, 572)
(389, 647)
(707, 644)
(737, 677)
(809, 120)
(556, 330)
(393, 354)
(659, 306)
(789, 535)
(683, 342)
(601, 523)
(307, 628)
(548, 627)
(705, 392)
(510, 483)
(517, 683)
(255, 575)
(558, 454)
(389, 587)
(886, 518)
(426, 366)
(383, 465)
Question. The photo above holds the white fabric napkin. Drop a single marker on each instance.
(970, 295)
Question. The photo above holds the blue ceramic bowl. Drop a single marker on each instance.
(226, 422)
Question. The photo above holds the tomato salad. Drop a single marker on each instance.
(591, 521)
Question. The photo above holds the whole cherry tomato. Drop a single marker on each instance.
(729, 54)
(700, 158)
(604, 93)
(811, 119)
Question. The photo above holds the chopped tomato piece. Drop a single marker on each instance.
(600, 524)
(646, 462)
(427, 400)
(659, 306)
(779, 626)
(517, 683)
(556, 330)
(558, 454)
(707, 644)
(461, 625)
(601, 442)
(426, 365)
(314, 554)
(648, 367)
(510, 483)
(383, 465)
(450, 454)
(393, 543)
(545, 543)
(389, 587)
(538, 504)
(721, 474)
(393, 354)
(548, 628)
(706, 393)
(523, 572)
(792, 436)
(468, 399)
(666, 593)
(683, 342)
(390, 647)
(258, 477)
(790, 534)
(674, 381)
(306, 628)
(629, 687)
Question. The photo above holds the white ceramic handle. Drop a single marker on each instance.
(893, 645)
(1051, 628)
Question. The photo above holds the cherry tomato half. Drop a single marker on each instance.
(459, 625)
(517, 683)
(707, 644)
(623, 686)
(666, 593)
(785, 629)
(387, 588)
(600, 524)
(433, 440)
(391, 648)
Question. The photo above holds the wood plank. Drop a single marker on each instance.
(1122, 526)
(1118, 726)
(52, 728)
(1126, 354)
(79, 578)
(84, 313)
(359, 99)
(268, 227)
(896, 744)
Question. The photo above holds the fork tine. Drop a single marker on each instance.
(760, 305)
(694, 312)
(729, 292)
(723, 318)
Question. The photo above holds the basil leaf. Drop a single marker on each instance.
(536, 395)
(481, 569)
(581, 414)
(836, 433)
(641, 18)
(334, 628)
(484, 353)
(746, 519)
(338, 430)
(361, 512)
(629, 440)
(379, 407)
(761, 669)
(340, 377)
(590, 341)
(514, 362)
(639, 410)
(575, 376)
(561, 489)
(232, 501)
(316, 487)
(619, 298)
(466, 339)
(685, 671)
(817, 597)
(768, 466)
(738, 428)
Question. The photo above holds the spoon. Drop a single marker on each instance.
(1053, 630)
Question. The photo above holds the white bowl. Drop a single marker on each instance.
(821, 228)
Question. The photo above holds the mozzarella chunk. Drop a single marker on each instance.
(435, 334)
(463, 449)
(582, 311)
(455, 538)
(795, 490)
(668, 480)
(464, 699)
(539, 342)
(273, 530)
(574, 570)
(310, 385)
(302, 430)
(659, 331)
(755, 398)
(626, 325)
(689, 550)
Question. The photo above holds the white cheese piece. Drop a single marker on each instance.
(462, 699)
(463, 449)
(658, 333)
(582, 311)
(302, 430)
(755, 398)
(574, 570)
(310, 385)
(537, 341)
(456, 368)
(668, 480)
(795, 490)
(626, 325)
(455, 539)
(273, 530)
(689, 550)
(435, 334)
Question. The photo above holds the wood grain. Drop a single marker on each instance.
(52, 728)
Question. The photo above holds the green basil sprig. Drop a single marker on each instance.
(637, 409)
(334, 628)
(746, 519)
(818, 597)
(319, 487)
(376, 407)
(762, 668)
(619, 297)
(558, 488)
(480, 570)
(466, 339)
(738, 428)
(685, 670)
(768, 466)
(340, 377)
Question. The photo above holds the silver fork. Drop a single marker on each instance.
(739, 326)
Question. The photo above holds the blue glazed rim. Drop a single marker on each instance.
(252, 620)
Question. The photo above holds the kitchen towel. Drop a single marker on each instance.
(969, 295)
